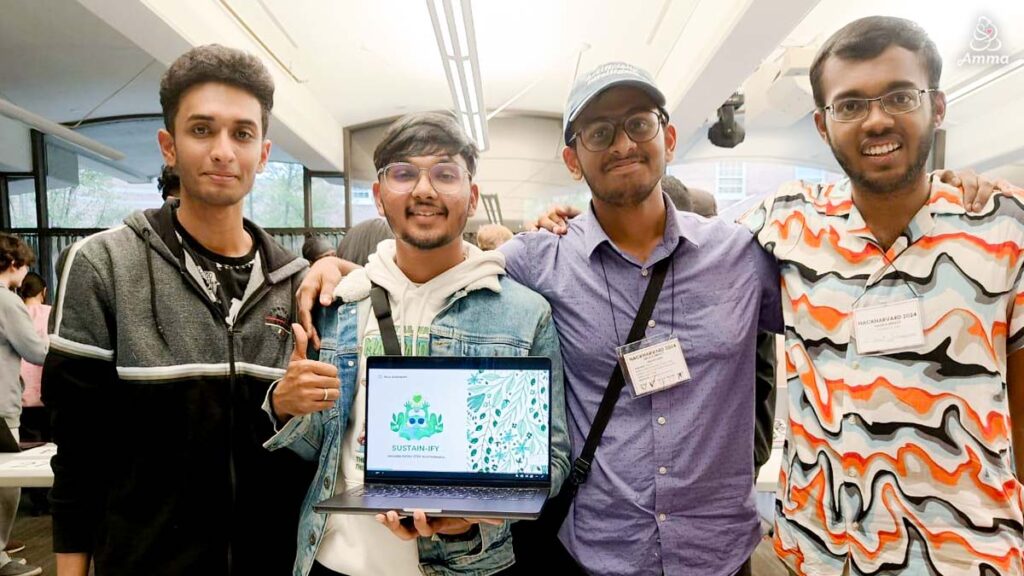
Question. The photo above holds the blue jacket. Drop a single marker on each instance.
(513, 322)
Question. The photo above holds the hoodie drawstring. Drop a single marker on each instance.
(152, 285)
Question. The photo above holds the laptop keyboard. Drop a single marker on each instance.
(452, 492)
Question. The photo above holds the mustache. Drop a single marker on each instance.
(426, 208)
(631, 158)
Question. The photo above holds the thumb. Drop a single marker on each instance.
(301, 341)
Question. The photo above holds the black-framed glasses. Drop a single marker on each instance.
(444, 177)
(641, 127)
(893, 103)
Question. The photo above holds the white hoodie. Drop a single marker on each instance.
(357, 544)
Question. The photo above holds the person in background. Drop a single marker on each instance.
(168, 183)
(35, 418)
(688, 199)
(18, 340)
(361, 240)
(35, 422)
(316, 247)
(490, 236)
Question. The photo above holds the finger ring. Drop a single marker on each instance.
(325, 395)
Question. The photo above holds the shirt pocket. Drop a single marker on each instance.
(451, 342)
(716, 324)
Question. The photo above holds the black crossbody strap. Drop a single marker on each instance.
(581, 467)
(386, 324)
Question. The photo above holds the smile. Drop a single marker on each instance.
(881, 150)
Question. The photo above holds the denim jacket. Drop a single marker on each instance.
(513, 322)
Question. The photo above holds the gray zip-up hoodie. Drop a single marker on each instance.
(156, 404)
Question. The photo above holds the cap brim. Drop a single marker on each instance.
(650, 90)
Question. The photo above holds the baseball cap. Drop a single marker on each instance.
(602, 78)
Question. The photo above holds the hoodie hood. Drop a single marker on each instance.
(415, 305)
(479, 271)
(278, 263)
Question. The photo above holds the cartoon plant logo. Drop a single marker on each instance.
(417, 422)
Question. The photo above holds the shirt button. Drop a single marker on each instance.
(351, 363)
(643, 272)
(327, 483)
(353, 311)
(312, 539)
(855, 365)
(662, 470)
(650, 324)
(662, 517)
(661, 420)
(855, 525)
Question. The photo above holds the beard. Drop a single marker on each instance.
(192, 187)
(629, 195)
(882, 187)
(427, 241)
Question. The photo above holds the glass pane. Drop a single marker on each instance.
(363, 206)
(86, 193)
(328, 202)
(276, 197)
(23, 202)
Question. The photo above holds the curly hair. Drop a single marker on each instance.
(216, 63)
(14, 252)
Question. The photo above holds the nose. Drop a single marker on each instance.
(622, 144)
(222, 150)
(423, 188)
(878, 120)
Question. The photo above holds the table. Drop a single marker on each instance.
(28, 469)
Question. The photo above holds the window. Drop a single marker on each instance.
(363, 205)
(22, 192)
(82, 192)
(276, 198)
(328, 201)
(731, 181)
(809, 175)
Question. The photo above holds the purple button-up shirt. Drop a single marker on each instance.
(671, 490)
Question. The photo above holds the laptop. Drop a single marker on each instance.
(454, 436)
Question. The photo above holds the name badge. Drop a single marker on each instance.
(887, 328)
(653, 364)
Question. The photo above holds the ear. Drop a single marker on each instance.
(670, 143)
(938, 107)
(819, 123)
(572, 162)
(377, 200)
(166, 142)
(474, 197)
(264, 155)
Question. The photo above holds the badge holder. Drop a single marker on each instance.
(653, 364)
(889, 328)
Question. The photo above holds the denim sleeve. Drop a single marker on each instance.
(545, 343)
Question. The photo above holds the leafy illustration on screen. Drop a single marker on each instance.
(508, 421)
(417, 422)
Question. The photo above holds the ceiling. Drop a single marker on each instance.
(357, 62)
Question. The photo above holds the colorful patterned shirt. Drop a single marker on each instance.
(899, 462)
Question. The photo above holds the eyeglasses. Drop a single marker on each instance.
(641, 127)
(402, 177)
(893, 103)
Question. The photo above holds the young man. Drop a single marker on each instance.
(904, 328)
(167, 334)
(18, 340)
(447, 298)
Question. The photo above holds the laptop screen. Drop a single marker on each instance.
(442, 418)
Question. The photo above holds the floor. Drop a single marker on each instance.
(34, 531)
